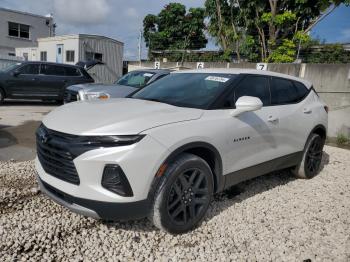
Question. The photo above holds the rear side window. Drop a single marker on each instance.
(72, 71)
(301, 89)
(283, 92)
(257, 86)
(52, 70)
(30, 69)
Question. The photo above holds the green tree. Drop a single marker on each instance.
(277, 27)
(175, 29)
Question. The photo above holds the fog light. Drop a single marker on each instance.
(114, 180)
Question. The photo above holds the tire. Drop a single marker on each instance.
(2, 96)
(183, 196)
(312, 157)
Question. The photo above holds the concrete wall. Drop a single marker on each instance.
(331, 81)
(38, 28)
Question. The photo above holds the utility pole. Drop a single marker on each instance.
(140, 46)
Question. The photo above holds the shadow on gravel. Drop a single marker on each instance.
(250, 188)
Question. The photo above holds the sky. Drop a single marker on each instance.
(122, 19)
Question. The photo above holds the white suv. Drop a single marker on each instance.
(165, 151)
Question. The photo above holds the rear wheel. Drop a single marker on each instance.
(184, 195)
(312, 158)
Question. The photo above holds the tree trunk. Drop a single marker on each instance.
(220, 25)
(272, 27)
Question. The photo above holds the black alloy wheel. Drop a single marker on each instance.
(188, 196)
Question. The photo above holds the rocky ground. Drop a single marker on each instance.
(274, 217)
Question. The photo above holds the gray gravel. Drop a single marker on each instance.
(274, 217)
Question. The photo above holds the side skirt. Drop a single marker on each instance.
(263, 168)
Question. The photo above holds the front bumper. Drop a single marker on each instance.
(96, 209)
(90, 198)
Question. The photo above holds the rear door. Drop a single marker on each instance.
(26, 83)
(295, 114)
(53, 80)
(253, 133)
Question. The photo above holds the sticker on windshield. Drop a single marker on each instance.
(217, 79)
(147, 74)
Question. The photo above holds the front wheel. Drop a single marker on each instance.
(312, 158)
(184, 195)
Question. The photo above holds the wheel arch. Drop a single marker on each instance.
(203, 150)
(320, 130)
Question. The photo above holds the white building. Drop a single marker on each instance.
(20, 29)
(70, 49)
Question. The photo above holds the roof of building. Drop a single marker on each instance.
(244, 71)
(24, 13)
(77, 36)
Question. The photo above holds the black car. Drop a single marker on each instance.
(40, 80)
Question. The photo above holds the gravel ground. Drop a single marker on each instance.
(274, 217)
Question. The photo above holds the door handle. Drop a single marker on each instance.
(307, 110)
(272, 119)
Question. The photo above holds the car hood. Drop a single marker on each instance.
(88, 87)
(114, 91)
(123, 116)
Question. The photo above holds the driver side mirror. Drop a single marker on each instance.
(246, 104)
(16, 73)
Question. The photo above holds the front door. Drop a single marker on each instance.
(26, 82)
(59, 53)
(253, 133)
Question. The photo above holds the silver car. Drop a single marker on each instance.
(127, 84)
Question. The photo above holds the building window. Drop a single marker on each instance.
(70, 56)
(93, 56)
(43, 56)
(18, 30)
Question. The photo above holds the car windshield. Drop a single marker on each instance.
(10, 67)
(194, 90)
(135, 79)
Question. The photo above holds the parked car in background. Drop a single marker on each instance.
(40, 80)
(163, 152)
(127, 84)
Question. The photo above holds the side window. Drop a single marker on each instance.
(72, 71)
(301, 89)
(283, 92)
(30, 69)
(257, 86)
(52, 70)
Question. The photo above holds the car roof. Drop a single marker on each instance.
(48, 63)
(238, 71)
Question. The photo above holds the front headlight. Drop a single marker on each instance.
(110, 141)
(96, 95)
